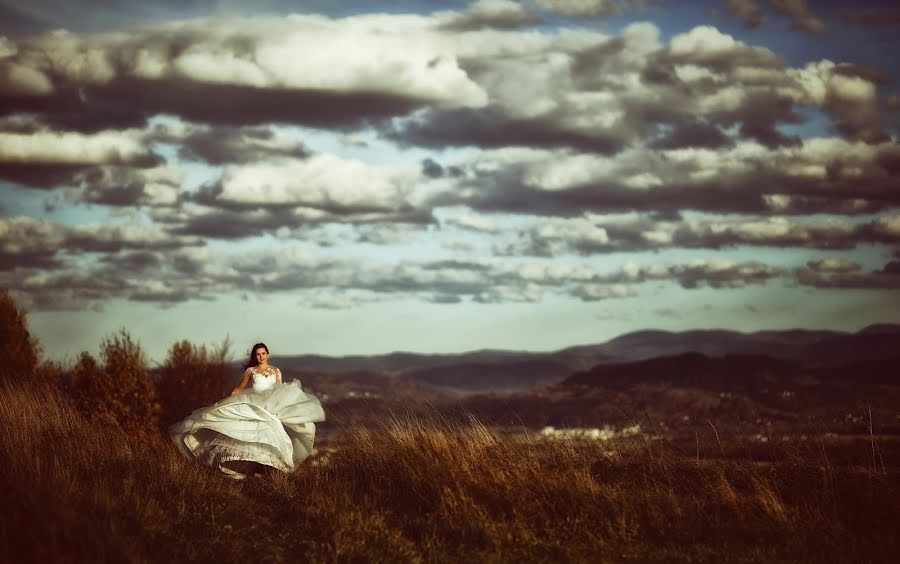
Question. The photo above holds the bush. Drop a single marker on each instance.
(120, 391)
(192, 377)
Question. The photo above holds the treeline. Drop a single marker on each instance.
(116, 388)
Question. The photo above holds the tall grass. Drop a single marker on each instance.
(423, 489)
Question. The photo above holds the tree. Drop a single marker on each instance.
(121, 390)
(18, 349)
(192, 377)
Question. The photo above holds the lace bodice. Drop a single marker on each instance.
(263, 379)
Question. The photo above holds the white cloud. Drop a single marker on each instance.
(398, 55)
(834, 265)
(105, 147)
(322, 180)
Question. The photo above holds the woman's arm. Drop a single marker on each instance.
(244, 380)
(278, 375)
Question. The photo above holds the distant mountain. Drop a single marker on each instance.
(497, 376)
(498, 370)
(397, 363)
(807, 346)
(746, 374)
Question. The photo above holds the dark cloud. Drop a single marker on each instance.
(431, 168)
(228, 224)
(492, 127)
(801, 17)
(122, 186)
(29, 243)
(228, 144)
(241, 222)
(693, 133)
(445, 299)
(875, 18)
(887, 278)
(747, 10)
(587, 7)
(37, 243)
(761, 117)
(892, 268)
(491, 14)
(131, 103)
(41, 175)
(134, 261)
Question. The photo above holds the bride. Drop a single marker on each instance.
(271, 423)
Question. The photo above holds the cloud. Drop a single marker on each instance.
(596, 292)
(423, 84)
(29, 243)
(599, 93)
(747, 10)
(582, 7)
(694, 133)
(553, 237)
(140, 265)
(876, 18)
(886, 278)
(251, 198)
(38, 243)
(223, 144)
(45, 158)
(833, 265)
(465, 219)
(825, 175)
(699, 273)
(490, 14)
(237, 71)
(800, 15)
(122, 186)
(668, 312)
(583, 236)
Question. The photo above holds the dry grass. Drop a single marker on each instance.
(423, 489)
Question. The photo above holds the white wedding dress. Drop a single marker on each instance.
(266, 423)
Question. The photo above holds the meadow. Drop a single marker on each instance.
(421, 488)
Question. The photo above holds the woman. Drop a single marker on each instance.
(271, 423)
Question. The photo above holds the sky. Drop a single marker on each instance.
(366, 177)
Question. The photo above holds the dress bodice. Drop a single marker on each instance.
(263, 379)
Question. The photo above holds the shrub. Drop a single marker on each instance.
(191, 377)
(120, 390)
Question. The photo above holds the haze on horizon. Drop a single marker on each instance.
(360, 178)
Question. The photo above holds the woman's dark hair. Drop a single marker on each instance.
(252, 360)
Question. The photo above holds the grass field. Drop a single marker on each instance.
(420, 488)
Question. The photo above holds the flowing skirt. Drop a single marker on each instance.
(273, 427)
